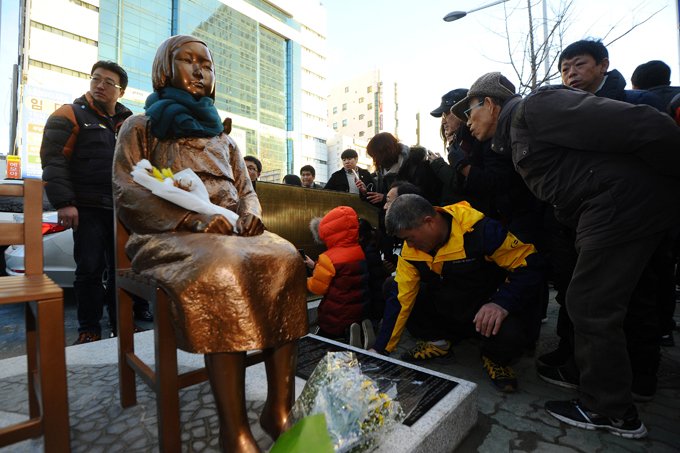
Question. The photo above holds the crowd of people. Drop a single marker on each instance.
(575, 185)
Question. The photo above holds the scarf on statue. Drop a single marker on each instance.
(175, 113)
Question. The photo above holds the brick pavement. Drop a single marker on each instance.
(515, 422)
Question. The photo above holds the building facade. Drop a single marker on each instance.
(364, 106)
(357, 110)
(264, 53)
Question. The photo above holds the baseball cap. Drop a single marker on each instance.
(492, 84)
(448, 100)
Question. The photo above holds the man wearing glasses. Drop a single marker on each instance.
(611, 171)
(77, 155)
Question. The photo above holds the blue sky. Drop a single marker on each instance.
(429, 57)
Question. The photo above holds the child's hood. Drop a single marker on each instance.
(340, 227)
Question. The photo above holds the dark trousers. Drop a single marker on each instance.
(437, 315)
(613, 304)
(93, 251)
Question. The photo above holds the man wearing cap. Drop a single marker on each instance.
(478, 175)
(584, 65)
(450, 123)
(581, 153)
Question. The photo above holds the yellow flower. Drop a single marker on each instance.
(162, 174)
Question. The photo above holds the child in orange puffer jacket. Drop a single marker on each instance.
(340, 275)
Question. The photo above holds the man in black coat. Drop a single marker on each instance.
(344, 180)
(77, 155)
(611, 170)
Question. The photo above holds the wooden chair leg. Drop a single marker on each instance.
(167, 380)
(52, 365)
(126, 345)
(31, 362)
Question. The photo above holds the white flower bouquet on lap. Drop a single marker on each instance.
(184, 188)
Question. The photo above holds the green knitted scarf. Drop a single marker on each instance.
(175, 113)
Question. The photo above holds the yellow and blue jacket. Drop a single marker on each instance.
(478, 249)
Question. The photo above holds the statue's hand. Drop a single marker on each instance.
(204, 223)
(250, 225)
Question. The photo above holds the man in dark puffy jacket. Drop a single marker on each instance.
(77, 156)
(611, 171)
(585, 65)
(655, 77)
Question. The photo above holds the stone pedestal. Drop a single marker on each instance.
(98, 423)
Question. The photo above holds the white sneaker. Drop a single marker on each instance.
(355, 335)
(369, 334)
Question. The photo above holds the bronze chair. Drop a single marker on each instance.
(44, 305)
(164, 379)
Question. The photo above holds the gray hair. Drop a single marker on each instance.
(407, 212)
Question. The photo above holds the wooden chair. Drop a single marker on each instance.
(164, 380)
(45, 341)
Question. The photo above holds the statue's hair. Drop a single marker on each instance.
(161, 71)
(407, 212)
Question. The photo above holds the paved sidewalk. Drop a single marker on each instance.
(519, 423)
(515, 422)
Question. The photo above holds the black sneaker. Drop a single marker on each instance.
(667, 340)
(573, 413)
(144, 315)
(643, 387)
(555, 358)
(87, 337)
(561, 376)
(503, 377)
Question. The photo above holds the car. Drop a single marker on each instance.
(58, 261)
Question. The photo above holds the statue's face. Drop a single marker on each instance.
(192, 70)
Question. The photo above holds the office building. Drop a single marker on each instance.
(264, 53)
(364, 106)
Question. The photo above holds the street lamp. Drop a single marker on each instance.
(455, 15)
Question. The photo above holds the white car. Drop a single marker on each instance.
(57, 252)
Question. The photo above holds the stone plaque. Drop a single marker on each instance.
(417, 391)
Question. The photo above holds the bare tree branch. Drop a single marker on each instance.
(634, 27)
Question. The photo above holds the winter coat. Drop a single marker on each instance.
(77, 153)
(666, 93)
(341, 274)
(610, 169)
(480, 261)
(338, 180)
(417, 170)
(614, 88)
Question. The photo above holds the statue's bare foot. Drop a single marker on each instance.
(243, 442)
(273, 421)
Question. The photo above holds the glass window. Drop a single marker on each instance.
(361, 133)
(335, 125)
(369, 123)
(335, 110)
(361, 117)
(346, 89)
(369, 89)
(344, 107)
(361, 100)
(344, 123)
(369, 107)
